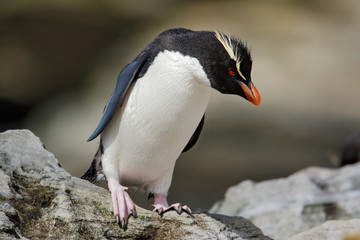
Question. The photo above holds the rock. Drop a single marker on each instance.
(333, 230)
(285, 207)
(40, 200)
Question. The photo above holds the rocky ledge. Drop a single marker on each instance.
(40, 200)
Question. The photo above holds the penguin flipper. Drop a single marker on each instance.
(127, 75)
(195, 136)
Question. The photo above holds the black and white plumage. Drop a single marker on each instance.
(157, 109)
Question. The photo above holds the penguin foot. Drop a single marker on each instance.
(161, 206)
(160, 209)
(123, 206)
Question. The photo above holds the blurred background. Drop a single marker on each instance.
(59, 62)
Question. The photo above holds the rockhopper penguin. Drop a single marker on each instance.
(156, 112)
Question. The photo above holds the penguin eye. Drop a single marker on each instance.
(231, 72)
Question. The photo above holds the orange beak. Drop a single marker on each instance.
(251, 93)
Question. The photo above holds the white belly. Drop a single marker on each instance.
(157, 119)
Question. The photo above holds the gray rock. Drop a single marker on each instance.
(287, 206)
(40, 200)
(333, 230)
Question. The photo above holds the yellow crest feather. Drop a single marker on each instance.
(225, 40)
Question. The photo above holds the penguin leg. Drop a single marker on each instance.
(161, 205)
(123, 206)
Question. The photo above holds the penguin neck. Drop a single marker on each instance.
(182, 67)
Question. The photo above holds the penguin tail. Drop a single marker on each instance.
(94, 173)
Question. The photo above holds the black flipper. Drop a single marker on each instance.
(127, 75)
(195, 136)
(94, 173)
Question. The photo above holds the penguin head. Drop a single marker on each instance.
(225, 60)
(229, 69)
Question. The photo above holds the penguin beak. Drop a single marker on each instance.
(251, 93)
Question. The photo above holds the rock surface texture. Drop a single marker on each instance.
(304, 205)
(40, 200)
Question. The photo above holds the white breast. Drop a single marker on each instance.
(157, 119)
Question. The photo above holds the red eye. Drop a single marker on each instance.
(231, 72)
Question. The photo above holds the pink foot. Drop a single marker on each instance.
(122, 204)
(161, 206)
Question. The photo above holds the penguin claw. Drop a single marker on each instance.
(186, 209)
(177, 207)
(134, 213)
(158, 208)
(123, 224)
(124, 221)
